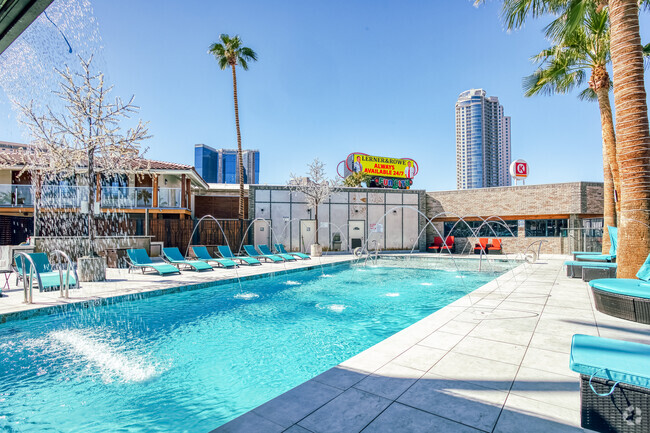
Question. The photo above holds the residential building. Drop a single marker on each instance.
(482, 141)
(161, 190)
(220, 165)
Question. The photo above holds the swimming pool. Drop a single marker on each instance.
(192, 361)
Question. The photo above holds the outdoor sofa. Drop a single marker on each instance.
(625, 298)
(614, 383)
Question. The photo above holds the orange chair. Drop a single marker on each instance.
(449, 244)
(481, 246)
(496, 245)
(436, 246)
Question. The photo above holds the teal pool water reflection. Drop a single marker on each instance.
(191, 361)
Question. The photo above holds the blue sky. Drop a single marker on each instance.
(336, 77)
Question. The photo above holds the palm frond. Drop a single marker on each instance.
(588, 94)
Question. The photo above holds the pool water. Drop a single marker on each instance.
(191, 361)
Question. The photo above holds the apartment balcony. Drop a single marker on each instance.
(72, 197)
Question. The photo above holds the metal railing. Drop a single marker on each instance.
(60, 196)
(169, 198)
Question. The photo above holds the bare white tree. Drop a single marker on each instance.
(316, 187)
(85, 139)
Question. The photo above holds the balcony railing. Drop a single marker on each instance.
(56, 196)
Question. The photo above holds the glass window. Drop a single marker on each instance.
(489, 229)
(546, 228)
(230, 168)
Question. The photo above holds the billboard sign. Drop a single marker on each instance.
(519, 169)
(401, 168)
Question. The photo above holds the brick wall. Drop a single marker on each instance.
(562, 200)
(551, 199)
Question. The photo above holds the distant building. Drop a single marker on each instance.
(7, 146)
(220, 165)
(482, 141)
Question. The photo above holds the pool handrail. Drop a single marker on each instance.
(32, 269)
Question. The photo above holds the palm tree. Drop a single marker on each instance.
(564, 67)
(633, 146)
(632, 130)
(229, 52)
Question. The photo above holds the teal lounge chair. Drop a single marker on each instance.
(614, 383)
(202, 254)
(226, 253)
(173, 255)
(625, 298)
(251, 251)
(584, 253)
(280, 249)
(49, 278)
(611, 257)
(139, 259)
(576, 269)
(264, 249)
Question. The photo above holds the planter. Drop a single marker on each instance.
(91, 268)
(316, 250)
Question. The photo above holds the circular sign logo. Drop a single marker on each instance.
(519, 169)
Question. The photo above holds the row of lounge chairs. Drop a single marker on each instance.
(202, 260)
(173, 261)
(614, 378)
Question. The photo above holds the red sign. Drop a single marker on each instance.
(521, 168)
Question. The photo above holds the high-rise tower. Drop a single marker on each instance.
(482, 141)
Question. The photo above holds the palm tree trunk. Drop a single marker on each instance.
(609, 147)
(609, 164)
(240, 159)
(633, 137)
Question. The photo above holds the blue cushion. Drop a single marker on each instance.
(595, 258)
(623, 286)
(585, 252)
(644, 270)
(620, 361)
(613, 238)
(590, 264)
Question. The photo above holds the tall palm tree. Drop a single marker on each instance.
(565, 66)
(632, 130)
(633, 133)
(230, 52)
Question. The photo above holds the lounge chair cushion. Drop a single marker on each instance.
(644, 270)
(52, 279)
(623, 286)
(281, 249)
(613, 238)
(617, 360)
(174, 255)
(226, 253)
(595, 258)
(590, 264)
(141, 259)
(264, 249)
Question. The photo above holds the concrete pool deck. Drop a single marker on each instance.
(496, 360)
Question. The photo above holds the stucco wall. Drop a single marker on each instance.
(287, 211)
